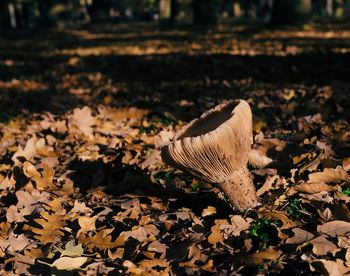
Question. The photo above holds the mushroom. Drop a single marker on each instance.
(216, 148)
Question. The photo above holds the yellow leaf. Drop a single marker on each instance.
(86, 224)
(29, 170)
(216, 235)
(116, 255)
(210, 210)
(299, 158)
(269, 254)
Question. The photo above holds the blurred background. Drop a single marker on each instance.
(20, 14)
(178, 56)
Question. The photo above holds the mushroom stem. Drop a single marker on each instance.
(239, 189)
(215, 148)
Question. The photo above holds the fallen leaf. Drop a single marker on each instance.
(210, 210)
(216, 235)
(52, 225)
(300, 236)
(82, 120)
(326, 267)
(346, 164)
(322, 246)
(334, 228)
(271, 183)
(159, 247)
(329, 175)
(269, 254)
(69, 263)
(86, 224)
(16, 243)
(313, 188)
(72, 250)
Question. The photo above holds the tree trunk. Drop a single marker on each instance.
(5, 14)
(346, 4)
(44, 10)
(99, 10)
(165, 10)
(204, 12)
(174, 10)
(291, 12)
(329, 8)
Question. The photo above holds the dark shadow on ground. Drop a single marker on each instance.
(172, 78)
(120, 179)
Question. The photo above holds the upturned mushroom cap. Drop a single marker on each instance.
(215, 148)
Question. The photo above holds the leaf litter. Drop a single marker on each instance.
(85, 191)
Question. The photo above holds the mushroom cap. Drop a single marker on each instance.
(215, 145)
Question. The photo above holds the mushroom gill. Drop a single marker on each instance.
(215, 148)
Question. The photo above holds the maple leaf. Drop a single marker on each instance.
(72, 250)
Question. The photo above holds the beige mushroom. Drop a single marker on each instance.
(216, 148)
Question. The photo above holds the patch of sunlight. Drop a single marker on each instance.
(24, 85)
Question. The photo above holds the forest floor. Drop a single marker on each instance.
(81, 110)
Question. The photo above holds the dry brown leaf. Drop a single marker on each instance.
(269, 254)
(159, 247)
(270, 143)
(152, 267)
(322, 246)
(194, 255)
(346, 164)
(16, 243)
(27, 204)
(299, 158)
(51, 230)
(82, 120)
(86, 224)
(28, 152)
(30, 171)
(69, 263)
(236, 227)
(326, 267)
(334, 228)
(210, 210)
(329, 175)
(300, 236)
(313, 188)
(102, 240)
(216, 235)
(22, 264)
(271, 183)
(313, 164)
(118, 254)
